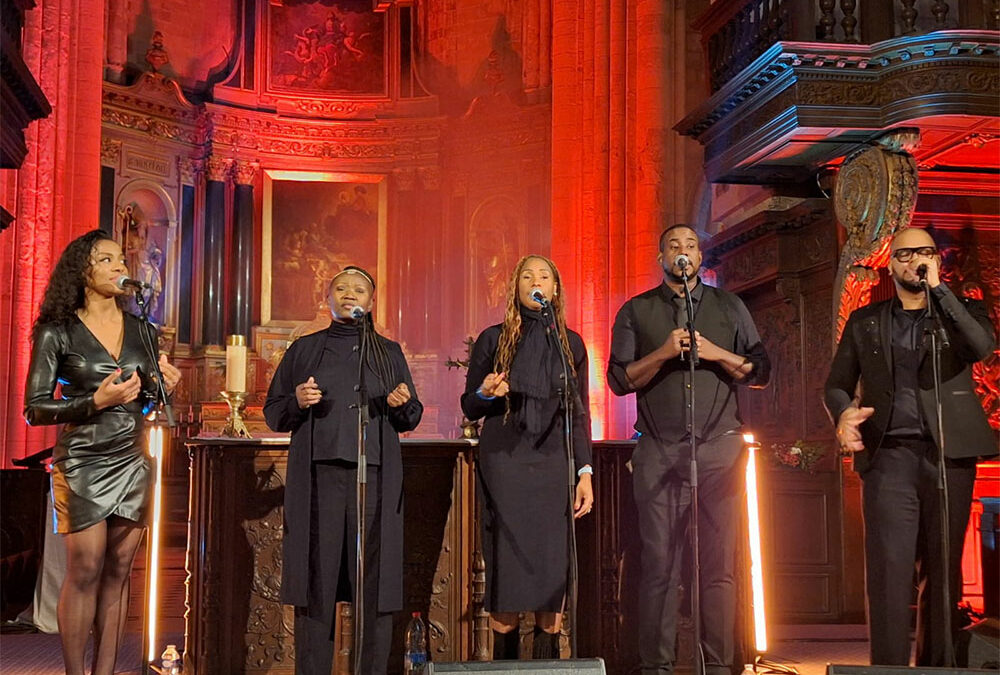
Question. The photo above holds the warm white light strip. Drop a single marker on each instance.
(153, 558)
(756, 563)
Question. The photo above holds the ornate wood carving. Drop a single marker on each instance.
(798, 86)
(874, 197)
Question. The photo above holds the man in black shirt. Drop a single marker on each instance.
(891, 427)
(649, 346)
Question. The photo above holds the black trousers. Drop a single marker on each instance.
(903, 528)
(661, 484)
(332, 556)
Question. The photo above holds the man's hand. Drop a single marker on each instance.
(849, 427)
(398, 396)
(933, 272)
(308, 393)
(708, 350)
(676, 343)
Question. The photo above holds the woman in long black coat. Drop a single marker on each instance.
(313, 395)
(514, 382)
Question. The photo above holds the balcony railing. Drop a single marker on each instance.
(735, 32)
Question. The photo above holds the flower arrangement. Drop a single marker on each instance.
(799, 454)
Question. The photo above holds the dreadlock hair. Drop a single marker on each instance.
(64, 294)
(510, 330)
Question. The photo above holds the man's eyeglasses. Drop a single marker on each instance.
(906, 254)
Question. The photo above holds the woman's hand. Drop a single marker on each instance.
(495, 384)
(171, 375)
(398, 396)
(584, 501)
(112, 393)
(308, 393)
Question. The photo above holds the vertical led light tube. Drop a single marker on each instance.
(756, 562)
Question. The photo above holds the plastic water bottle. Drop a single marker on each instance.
(170, 661)
(415, 656)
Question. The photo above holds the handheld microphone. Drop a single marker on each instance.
(124, 282)
(922, 272)
(682, 261)
(539, 297)
(357, 313)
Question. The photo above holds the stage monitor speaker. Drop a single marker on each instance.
(978, 646)
(556, 667)
(900, 670)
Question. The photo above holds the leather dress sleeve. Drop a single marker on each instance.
(39, 405)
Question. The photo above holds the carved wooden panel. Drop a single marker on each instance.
(236, 622)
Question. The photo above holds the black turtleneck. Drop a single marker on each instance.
(335, 417)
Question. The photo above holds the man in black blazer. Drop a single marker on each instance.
(880, 393)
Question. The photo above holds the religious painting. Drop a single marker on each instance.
(496, 243)
(314, 225)
(334, 47)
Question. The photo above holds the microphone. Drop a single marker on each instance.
(357, 313)
(682, 261)
(922, 272)
(124, 282)
(539, 297)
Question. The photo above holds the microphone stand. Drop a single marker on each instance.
(938, 341)
(147, 333)
(360, 499)
(568, 395)
(699, 658)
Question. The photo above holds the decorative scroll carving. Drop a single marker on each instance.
(111, 152)
(430, 177)
(245, 173)
(874, 197)
(189, 170)
(218, 168)
(405, 178)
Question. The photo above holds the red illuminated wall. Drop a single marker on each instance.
(56, 193)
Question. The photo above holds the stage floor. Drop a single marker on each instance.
(808, 649)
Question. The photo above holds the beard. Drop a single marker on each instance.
(911, 286)
(677, 278)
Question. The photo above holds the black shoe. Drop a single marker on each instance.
(544, 645)
(506, 646)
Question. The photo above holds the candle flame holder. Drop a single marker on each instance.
(235, 427)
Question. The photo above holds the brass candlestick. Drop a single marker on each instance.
(235, 427)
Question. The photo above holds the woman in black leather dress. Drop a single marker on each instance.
(101, 475)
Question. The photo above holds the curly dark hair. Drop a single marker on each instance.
(65, 292)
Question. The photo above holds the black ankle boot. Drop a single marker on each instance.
(545, 645)
(506, 646)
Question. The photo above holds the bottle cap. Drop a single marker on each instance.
(415, 615)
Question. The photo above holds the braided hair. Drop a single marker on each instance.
(510, 330)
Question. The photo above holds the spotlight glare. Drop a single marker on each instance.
(756, 563)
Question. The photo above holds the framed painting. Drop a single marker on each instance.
(314, 224)
(332, 47)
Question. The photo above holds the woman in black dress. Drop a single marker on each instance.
(101, 475)
(514, 382)
(313, 395)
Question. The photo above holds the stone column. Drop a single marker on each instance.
(241, 255)
(218, 170)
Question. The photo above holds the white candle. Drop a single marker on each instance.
(236, 363)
